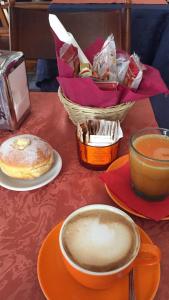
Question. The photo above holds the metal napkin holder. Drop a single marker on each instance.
(14, 93)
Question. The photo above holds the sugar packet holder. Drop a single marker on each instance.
(98, 142)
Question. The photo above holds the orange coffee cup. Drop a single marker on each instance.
(100, 243)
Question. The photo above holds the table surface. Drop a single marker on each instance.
(27, 217)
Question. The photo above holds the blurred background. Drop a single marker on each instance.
(24, 26)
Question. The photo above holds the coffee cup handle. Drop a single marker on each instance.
(149, 254)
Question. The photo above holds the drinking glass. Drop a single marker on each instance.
(149, 163)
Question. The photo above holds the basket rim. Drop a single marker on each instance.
(119, 106)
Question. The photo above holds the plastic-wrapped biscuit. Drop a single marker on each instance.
(134, 73)
(104, 62)
(25, 157)
(85, 70)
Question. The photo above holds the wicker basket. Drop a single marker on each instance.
(79, 114)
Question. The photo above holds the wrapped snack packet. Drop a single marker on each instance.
(122, 65)
(69, 54)
(65, 36)
(134, 73)
(85, 70)
(104, 63)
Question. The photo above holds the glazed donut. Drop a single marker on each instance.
(25, 156)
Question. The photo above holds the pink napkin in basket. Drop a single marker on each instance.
(119, 183)
(85, 92)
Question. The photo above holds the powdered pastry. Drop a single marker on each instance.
(100, 241)
(25, 156)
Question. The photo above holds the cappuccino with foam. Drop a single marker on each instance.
(100, 240)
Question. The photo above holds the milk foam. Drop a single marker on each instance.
(94, 243)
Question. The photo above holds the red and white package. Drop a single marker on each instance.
(122, 65)
(69, 54)
(134, 73)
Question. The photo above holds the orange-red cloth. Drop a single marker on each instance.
(119, 183)
(27, 217)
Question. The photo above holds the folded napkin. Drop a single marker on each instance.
(85, 92)
(119, 183)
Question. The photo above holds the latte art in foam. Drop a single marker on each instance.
(99, 240)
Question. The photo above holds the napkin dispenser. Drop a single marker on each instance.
(14, 93)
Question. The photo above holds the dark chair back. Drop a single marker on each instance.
(86, 26)
(30, 31)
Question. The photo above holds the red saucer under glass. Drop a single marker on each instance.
(118, 163)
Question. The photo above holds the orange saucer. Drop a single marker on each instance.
(56, 283)
(118, 163)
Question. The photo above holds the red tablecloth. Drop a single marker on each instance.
(27, 217)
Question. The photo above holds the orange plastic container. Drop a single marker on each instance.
(97, 158)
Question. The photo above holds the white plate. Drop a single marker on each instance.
(28, 185)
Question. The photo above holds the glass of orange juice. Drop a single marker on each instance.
(149, 163)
